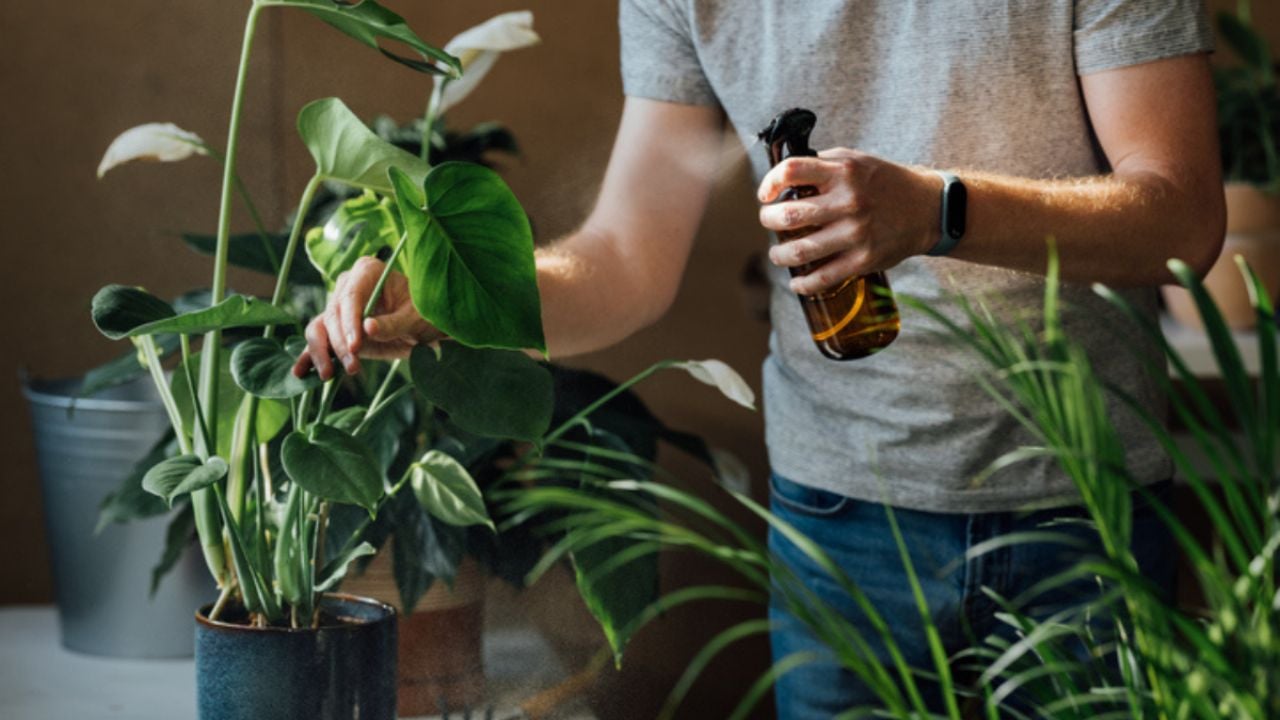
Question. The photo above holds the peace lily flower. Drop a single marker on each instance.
(478, 49)
(722, 377)
(731, 472)
(164, 142)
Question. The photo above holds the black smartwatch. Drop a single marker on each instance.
(955, 205)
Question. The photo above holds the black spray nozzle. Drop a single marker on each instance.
(788, 134)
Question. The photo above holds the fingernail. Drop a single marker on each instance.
(352, 337)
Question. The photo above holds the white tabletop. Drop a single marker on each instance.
(40, 680)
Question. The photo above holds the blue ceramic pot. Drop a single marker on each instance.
(342, 671)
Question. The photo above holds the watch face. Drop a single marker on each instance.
(956, 208)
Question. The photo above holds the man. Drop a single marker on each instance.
(1091, 121)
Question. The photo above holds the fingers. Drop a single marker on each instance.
(317, 352)
(797, 171)
(830, 274)
(401, 323)
(811, 212)
(815, 247)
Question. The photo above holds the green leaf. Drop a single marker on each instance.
(183, 474)
(368, 22)
(618, 598)
(130, 501)
(118, 309)
(345, 149)
(252, 251)
(1245, 41)
(470, 257)
(445, 489)
(271, 417)
(336, 569)
(123, 368)
(360, 226)
(177, 538)
(494, 393)
(121, 312)
(262, 368)
(424, 549)
(331, 464)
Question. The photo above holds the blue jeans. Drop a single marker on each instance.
(857, 536)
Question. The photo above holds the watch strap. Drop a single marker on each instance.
(954, 210)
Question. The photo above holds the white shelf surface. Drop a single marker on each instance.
(41, 680)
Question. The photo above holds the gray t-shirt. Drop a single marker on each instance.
(987, 85)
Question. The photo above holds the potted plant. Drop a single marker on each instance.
(1126, 651)
(1249, 132)
(264, 456)
(289, 479)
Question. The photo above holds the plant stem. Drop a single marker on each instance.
(317, 559)
(430, 116)
(386, 273)
(282, 278)
(577, 418)
(376, 410)
(191, 388)
(382, 389)
(222, 601)
(213, 340)
(148, 344)
(326, 401)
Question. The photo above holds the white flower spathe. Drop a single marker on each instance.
(164, 142)
(731, 472)
(478, 49)
(722, 377)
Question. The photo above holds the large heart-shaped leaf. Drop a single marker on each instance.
(345, 149)
(361, 226)
(333, 465)
(265, 369)
(470, 257)
(121, 312)
(270, 419)
(258, 253)
(368, 22)
(424, 549)
(183, 474)
(446, 490)
(494, 393)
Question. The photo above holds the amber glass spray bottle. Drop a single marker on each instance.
(858, 317)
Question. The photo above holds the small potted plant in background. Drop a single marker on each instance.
(1249, 132)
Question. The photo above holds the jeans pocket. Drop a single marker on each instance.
(804, 499)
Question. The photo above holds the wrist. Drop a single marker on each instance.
(929, 215)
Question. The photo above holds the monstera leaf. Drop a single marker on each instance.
(470, 256)
(345, 149)
(368, 22)
(361, 226)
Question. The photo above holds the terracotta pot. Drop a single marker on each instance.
(343, 670)
(1253, 231)
(441, 663)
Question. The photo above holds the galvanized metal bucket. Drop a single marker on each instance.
(102, 581)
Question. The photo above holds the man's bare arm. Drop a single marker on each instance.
(1163, 199)
(617, 274)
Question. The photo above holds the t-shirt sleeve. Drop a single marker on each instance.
(1118, 33)
(659, 58)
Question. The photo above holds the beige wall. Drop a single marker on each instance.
(77, 73)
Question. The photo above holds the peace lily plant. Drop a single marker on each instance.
(273, 465)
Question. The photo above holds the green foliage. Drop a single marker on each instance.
(345, 149)
(263, 368)
(270, 417)
(470, 257)
(183, 474)
(492, 393)
(362, 226)
(447, 491)
(121, 312)
(259, 253)
(368, 22)
(333, 465)
(1248, 107)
